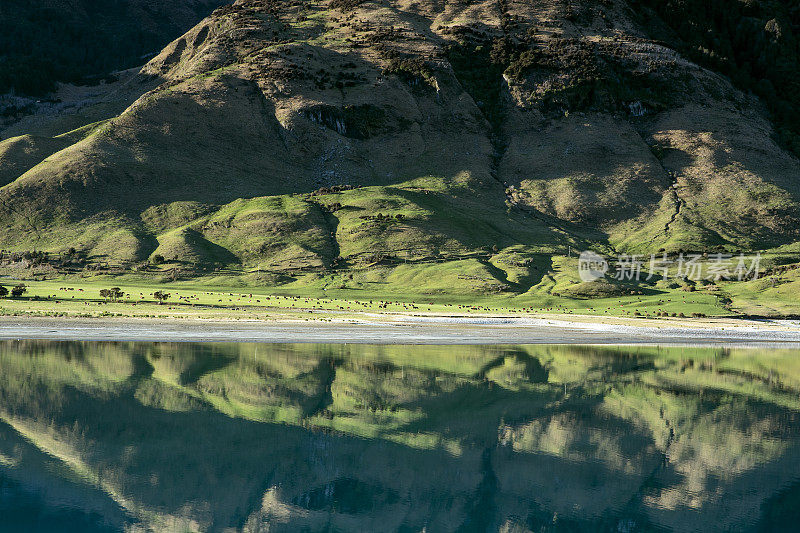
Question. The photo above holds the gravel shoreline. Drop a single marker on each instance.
(410, 329)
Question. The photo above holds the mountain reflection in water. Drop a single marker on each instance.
(256, 437)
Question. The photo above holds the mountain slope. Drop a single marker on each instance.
(424, 130)
(68, 41)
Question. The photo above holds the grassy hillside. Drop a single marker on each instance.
(427, 149)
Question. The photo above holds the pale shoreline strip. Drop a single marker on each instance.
(400, 329)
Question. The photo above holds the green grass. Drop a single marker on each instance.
(775, 295)
(278, 233)
(212, 298)
(424, 240)
(19, 154)
(189, 246)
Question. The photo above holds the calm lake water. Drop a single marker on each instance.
(229, 437)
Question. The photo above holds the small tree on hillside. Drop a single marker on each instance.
(3, 292)
(114, 294)
(19, 290)
(161, 296)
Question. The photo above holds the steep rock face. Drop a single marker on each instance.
(565, 121)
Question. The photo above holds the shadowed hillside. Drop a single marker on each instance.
(42, 43)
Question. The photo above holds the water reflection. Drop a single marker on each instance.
(216, 437)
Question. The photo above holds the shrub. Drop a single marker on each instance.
(346, 5)
(412, 71)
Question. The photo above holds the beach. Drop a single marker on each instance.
(371, 328)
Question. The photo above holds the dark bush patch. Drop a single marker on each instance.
(346, 5)
(414, 72)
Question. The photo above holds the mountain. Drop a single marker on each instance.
(455, 142)
(72, 40)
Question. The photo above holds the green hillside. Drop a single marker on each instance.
(431, 148)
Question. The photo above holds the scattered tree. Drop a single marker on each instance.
(19, 290)
(114, 294)
(3, 292)
(161, 296)
(158, 259)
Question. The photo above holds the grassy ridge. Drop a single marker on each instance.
(60, 41)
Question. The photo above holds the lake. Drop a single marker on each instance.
(269, 437)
